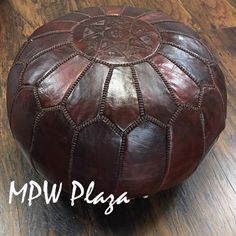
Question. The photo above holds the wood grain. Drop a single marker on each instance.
(204, 205)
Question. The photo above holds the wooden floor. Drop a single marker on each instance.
(204, 205)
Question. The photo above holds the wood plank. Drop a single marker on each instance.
(232, 2)
(205, 204)
(212, 13)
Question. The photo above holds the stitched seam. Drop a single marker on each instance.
(53, 108)
(167, 84)
(78, 23)
(72, 150)
(202, 93)
(160, 37)
(185, 71)
(54, 68)
(169, 137)
(61, 20)
(214, 83)
(88, 122)
(166, 21)
(18, 62)
(36, 95)
(179, 33)
(25, 44)
(221, 96)
(111, 125)
(176, 31)
(217, 90)
(99, 16)
(134, 125)
(181, 68)
(65, 113)
(35, 127)
(172, 93)
(148, 12)
(20, 81)
(211, 76)
(144, 14)
(105, 91)
(79, 52)
(26, 86)
(200, 97)
(46, 51)
(175, 115)
(155, 121)
(202, 119)
(53, 32)
(143, 44)
(193, 54)
(120, 164)
(81, 13)
(115, 64)
(189, 36)
(213, 63)
(128, 64)
(68, 117)
(70, 90)
(138, 91)
(189, 106)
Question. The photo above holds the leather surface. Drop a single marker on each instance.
(127, 97)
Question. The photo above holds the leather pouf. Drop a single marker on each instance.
(129, 98)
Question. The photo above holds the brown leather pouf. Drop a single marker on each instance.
(129, 98)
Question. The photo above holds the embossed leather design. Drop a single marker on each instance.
(127, 97)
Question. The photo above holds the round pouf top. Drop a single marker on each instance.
(125, 97)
